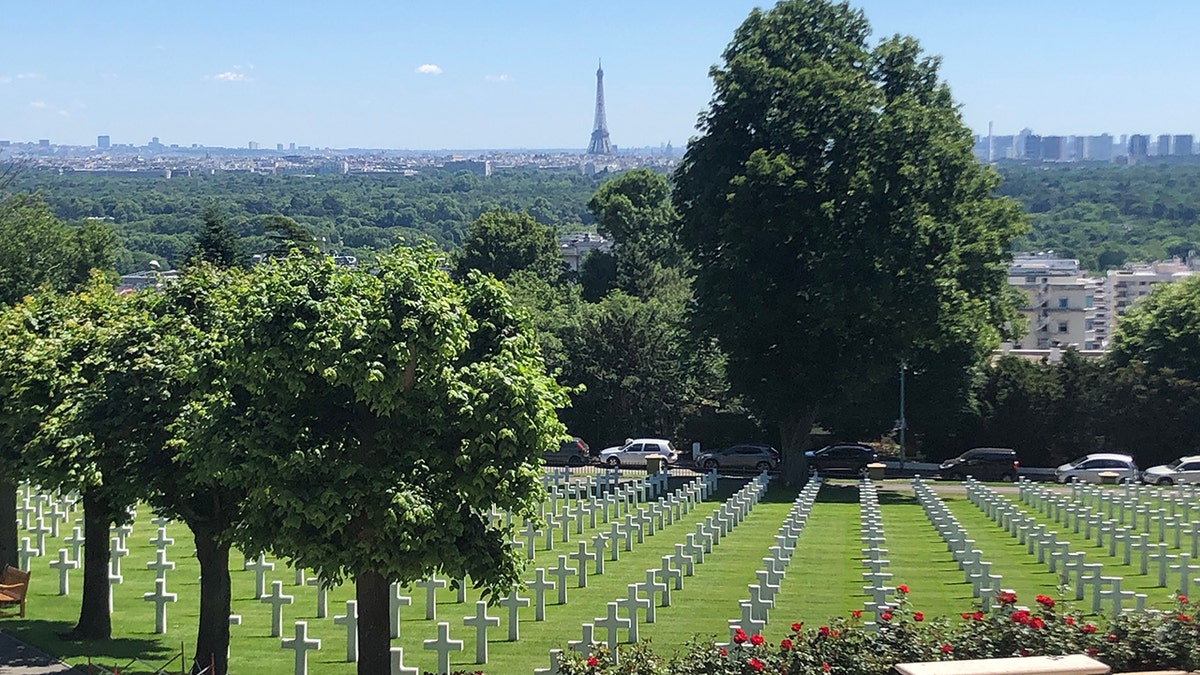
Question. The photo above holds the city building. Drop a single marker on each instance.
(1182, 144)
(575, 246)
(1125, 286)
(1139, 146)
(1060, 308)
(103, 142)
(1163, 146)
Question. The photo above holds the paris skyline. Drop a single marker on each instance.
(522, 75)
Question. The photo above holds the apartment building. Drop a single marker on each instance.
(1124, 286)
(1061, 308)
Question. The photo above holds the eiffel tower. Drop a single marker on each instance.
(600, 144)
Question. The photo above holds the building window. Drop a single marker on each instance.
(1064, 327)
(1062, 303)
(1088, 324)
(1031, 280)
(1089, 301)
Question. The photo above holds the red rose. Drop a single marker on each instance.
(1036, 622)
(857, 614)
(1070, 620)
(886, 616)
(756, 639)
(724, 652)
(1186, 618)
(1007, 598)
(824, 631)
(1183, 599)
(785, 644)
(978, 616)
(1045, 601)
(796, 627)
(965, 615)
(1023, 652)
(1111, 637)
(946, 649)
(918, 616)
(1091, 651)
(903, 588)
(592, 662)
(1020, 616)
(825, 667)
(1087, 628)
(756, 664)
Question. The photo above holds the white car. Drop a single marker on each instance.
(635, 452)
(1182, 470)
(1087, 469)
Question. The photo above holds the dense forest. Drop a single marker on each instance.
(158, 218)
(1106, 216)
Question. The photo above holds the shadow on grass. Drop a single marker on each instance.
(44, 635)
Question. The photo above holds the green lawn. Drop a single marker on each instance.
(823, 579)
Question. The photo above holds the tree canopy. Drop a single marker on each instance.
(501, 242)
(837, 219)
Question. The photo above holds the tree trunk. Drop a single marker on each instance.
(794, 433)
(95, 623)
(212, 637)
(374, 630)
(8, 524)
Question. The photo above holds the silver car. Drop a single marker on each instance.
(635, 452)
(1087, 469)
(1182, 470)
(757, 457)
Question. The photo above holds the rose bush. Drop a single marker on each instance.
(849, 646)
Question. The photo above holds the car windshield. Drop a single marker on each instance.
(1175, 465)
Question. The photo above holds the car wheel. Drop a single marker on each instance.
(1165, 481)
(710, 463)
(1006, 478)
(763, 466)
(575, 460)
(614, 462)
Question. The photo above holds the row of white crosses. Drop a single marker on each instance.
(41, 514)
(685, 498)
(662, 580)
(1116, 518)
(985, 584)
(1135, 507)
(1071, 566)
(874, 554)
(755, 611)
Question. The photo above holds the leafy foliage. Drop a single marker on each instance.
(501, 243)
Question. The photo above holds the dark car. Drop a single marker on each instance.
(987, 464)
(845, 458)
(745, 456)
(571, 453)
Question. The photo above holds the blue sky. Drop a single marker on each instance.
(520, 73)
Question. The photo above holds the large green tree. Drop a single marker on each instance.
(837, 219)
(373, 420)
(502, 242)
(37, 250)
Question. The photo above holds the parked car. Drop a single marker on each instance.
(1087, 469)
(635, 452)
(986, 464)
(571, 453)
(1182, 470)
(843, 458)
(745, 456)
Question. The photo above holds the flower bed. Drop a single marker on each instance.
(1129, 642)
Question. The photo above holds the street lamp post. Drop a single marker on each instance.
(901, 423)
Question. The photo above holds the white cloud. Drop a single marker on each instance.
(230, 76)
(29, 76)
(38, 105)
(42, 105)
(4, 79)
(429, 69)
(504, 77)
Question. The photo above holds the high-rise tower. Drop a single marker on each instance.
(600, 144)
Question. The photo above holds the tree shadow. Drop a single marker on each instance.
(44, 635)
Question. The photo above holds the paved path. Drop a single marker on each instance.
(18, 658)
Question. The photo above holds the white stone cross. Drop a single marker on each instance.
(651, 587)
(26, 553)
(395, 602)
(260, 567)
(350, 621)
(443, 645)
(555, 664)
(480, 621)
(539, 586)
(1186, 570)
(64, 565)
(431, 586)
(631, 603)
(668, 577)
(612, 623)
(586, 644)
(160, 597)
(160, 521)
(277, 600)
(513, 603)
(598, 543)
(161, 540)
(398, 667)
(117, 552)
(40, 530)
(675, 573)
(581, 558)
(322, 595)
(562, 571)
(75, 541)
(160, 565)
(530, 533)
(302, 645)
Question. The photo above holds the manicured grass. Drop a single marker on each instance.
(824, 579)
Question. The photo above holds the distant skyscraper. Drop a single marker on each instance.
(600, 144)
(1139, 145)
(103, 142)
(1164, 145)
(1182, 144)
